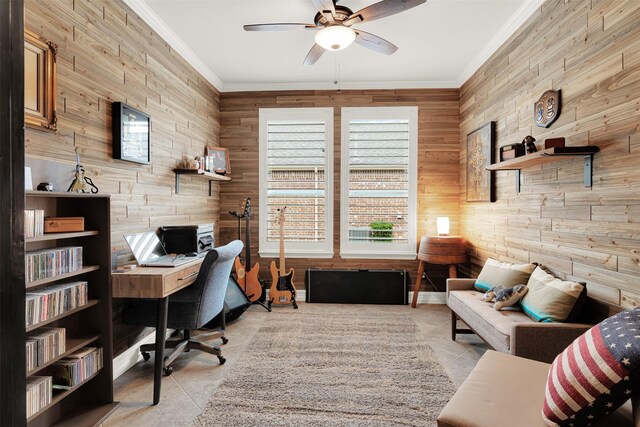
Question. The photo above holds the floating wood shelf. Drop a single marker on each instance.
(60, 236)
(85, 269)
(198, 173)
(549, 155)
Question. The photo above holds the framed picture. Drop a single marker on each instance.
(480, 144)
(131, 134)
(39, 82)
(217, 158)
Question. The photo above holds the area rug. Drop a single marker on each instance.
(332, 369)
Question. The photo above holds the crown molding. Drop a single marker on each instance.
(524, 12)
(142, 9)
(264, 87)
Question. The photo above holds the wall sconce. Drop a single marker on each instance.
(442, 225)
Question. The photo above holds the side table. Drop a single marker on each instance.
(444, 250)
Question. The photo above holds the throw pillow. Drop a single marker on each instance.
(509, 297)
(502, 273)
(596, 374)
(550, 299)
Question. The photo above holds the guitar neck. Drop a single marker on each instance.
(282, 269)
(248, 240)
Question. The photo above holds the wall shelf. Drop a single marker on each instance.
(60, 236)
(549, 155)
(83, 270)
(198, 173)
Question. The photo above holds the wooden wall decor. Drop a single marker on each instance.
(591, 52)
(480, 146)
(40, 82)
(547, 109)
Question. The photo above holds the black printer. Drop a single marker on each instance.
(183, 239)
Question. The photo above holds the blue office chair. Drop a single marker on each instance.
(192, 307)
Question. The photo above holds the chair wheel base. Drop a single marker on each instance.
(225, 340)
(222, 359)
(145, 356)
(168, 370)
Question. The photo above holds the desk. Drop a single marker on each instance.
(156, 283)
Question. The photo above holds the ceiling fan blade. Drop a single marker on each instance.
(324, 5)
(279, 27)
(382, 9)
(373, 42)
(314, 54)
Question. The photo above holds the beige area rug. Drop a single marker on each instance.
(332, 369)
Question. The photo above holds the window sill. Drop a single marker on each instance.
(296, 254)
(378, 255)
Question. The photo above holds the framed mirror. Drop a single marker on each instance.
(39, 82)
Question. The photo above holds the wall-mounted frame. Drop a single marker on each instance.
(480, 144)
(218, 159)
(39, 82)
(131, 134)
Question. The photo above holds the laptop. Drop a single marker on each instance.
(149, 252)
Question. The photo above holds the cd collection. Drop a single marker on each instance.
(44, 345)
(33, 223)
(46, 263)
(46, 303)
(75, 368)
(39, 391)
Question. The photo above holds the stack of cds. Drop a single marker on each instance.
(75, 368)
(33, 223)
(47, 263)
(44, 345)
(39, 391)
(46, 303)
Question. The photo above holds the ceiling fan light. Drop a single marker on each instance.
(335, 37)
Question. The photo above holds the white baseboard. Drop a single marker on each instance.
(430, 297)
(131, 356)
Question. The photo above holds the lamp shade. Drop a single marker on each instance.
(335, 37)
(442, 225)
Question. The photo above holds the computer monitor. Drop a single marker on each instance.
(145, 246)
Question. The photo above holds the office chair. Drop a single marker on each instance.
(192, 307)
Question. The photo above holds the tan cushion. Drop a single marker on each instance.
(496, 273)
(550, 299)
(502, 389)
(493, 326)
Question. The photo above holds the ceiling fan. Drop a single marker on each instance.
(333, 25)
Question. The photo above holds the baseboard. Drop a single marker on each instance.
(430, 297)
(131, 356)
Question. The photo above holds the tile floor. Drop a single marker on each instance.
(196, 375)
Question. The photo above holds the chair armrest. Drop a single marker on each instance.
(544, 341)
(459, 285)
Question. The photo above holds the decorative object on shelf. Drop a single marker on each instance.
(64, 224)
(45, 186)
(547, 109)
(193, 164)
(28, 180)
(511, 151)
(553, 142)
(442, 225)
(131, 134)
(201, 162)
(529, 143)
(81, 183)
(218, 160)
(39, 82)
(480, 144)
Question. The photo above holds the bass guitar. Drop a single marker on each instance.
(247, 279)
(282, 290)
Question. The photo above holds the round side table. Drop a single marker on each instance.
(444, 250)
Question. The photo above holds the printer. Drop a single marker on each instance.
(182, 239)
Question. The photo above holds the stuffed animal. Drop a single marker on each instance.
(529, 144)
(510, 296)
(491, 293)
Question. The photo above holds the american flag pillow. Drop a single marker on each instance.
(596, 374)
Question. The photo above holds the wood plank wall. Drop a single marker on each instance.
(589, 49)
(106, 54)
(438, 151)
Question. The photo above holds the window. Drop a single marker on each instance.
(296, 171)
(378, 182)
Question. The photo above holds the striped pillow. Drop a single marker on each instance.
(596, 374)
(502, 273)
(550, 299)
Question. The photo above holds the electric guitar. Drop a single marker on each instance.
(282, 290)
(248, 280)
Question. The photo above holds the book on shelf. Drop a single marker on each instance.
(39, 393)
(44, 345)
(46, 303)
(47, 263)
(33, 223)
(72, 370)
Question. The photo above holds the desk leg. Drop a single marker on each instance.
(453, 273)
(161, 331)
(416, 287)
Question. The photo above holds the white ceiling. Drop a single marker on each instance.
(441, 43)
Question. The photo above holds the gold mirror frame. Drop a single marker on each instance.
(39, 82)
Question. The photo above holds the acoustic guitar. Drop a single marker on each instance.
(282, 289)
(248, 280)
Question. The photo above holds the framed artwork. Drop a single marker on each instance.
(480, 144)
(217, 160)
(131, 134)
(39, 82)
(547, 109)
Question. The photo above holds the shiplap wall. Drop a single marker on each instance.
(438, 154)
(590, 50)
(106, 54)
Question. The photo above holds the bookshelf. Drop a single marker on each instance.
(210, 176)
(88, 325)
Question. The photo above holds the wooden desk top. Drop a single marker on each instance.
(154, 282)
